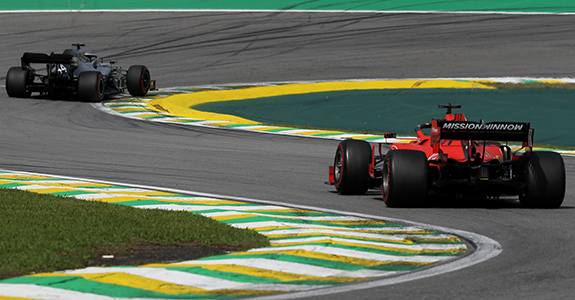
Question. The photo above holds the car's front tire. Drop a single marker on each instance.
(405, 178)
(544, 180)
(91, 86)
(138, 81)
(351, 167)
(16, 81)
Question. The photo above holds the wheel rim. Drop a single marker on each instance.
(385, 182)
(338, 167)
(146, 80)
(101, 86)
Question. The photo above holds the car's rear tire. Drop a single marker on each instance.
(351, 167)
(405, 178)
(16, 81)
(544, 180)
(138, 81)
(91, 86)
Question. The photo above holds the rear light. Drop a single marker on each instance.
(331, 178)
(484, 173)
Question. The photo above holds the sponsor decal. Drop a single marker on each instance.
(484, 126)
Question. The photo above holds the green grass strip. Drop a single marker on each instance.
(44, 233)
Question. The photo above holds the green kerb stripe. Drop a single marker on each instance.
(384, 266)
(360, 239)
(70, 193)
(238, 277)
(79, 284)
(379, 251)
(11, 185)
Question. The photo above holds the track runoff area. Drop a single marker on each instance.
(312, 250)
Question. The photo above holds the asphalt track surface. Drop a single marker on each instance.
(74, 139)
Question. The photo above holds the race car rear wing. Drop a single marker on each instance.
(497, 131)
(493, 131)
(42, 58)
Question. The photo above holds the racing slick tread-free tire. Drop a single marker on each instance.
(138, 81)
(91, 86)
(16, 81)
(351, 167)
(544, 180)
(405, 178)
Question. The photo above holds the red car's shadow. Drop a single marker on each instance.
(474, 202)
(503, 202)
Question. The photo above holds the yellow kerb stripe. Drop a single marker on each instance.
(407, 241)
(263, 273)
(371, 246)
(180, 104)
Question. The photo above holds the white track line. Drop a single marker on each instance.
(284, 11)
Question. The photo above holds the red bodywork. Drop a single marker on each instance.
(463, 156)
(438, 151)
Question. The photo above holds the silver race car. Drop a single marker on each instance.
(76, 73)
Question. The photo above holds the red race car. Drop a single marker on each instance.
(458, 158)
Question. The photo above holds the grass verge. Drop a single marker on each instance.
(44, 233)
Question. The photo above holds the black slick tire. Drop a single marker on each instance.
(405, 178)
(544, 180)
(16, 81)
(91, 86)
(138, 81)
(351, 167)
